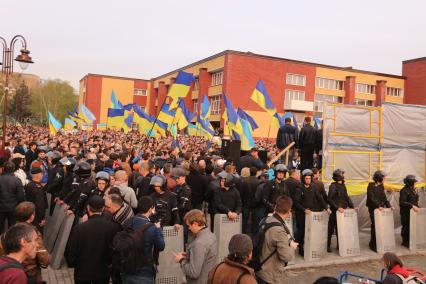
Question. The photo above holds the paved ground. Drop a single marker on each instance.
(368, 264)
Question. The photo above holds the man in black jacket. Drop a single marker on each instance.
(339, 200)
(408, 198)
(274, 188)
(285, 136)
(250, 160)
(142, 186)
(307, 145)
(248, 188)
(11, 193)
(89, 246)
(227, 199)
(197, 184)
(34, 192)
(376, 199)
(30, 155)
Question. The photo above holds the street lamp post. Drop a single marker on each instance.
(24, 60)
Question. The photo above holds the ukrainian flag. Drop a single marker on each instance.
(180, 88)
(205, 108)
(128, 107)
(247, 141)
(261, 97)
(317, 122)
(69, 124)
(166, 114)
(144, 120)
(128, 121)
(206, 126)
(277, 120)
(160, 128)
(183, 115)
(243, 115)
(193, 130)
(231, 118)
(115, 118)
(86, 114)
(115, 103)
(54, 124)
(74, 117)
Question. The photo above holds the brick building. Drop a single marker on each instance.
(297, 86)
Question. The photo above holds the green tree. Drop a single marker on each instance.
(55, 96)
(19, 104)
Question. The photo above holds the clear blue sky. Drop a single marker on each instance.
(144, 39)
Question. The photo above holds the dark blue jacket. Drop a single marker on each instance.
(287, 134)
(153, 241)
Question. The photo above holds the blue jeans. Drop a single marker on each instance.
(136, 279)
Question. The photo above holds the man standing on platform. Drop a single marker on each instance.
(307, 139)
(286, 135)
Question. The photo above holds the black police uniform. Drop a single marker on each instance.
(271, 191)
(376, 198)
(337, 198)
(407, 198)
(35, 193)
(307, 139)
(166, 208)
(183, 197)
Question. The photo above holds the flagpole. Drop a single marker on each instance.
(156, 117)
(269, 130)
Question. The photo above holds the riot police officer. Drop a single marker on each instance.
(339, 200)
(81, 187)
(274, 188)
(182, 191)
(408, 198)
(376, 199)
(102, 184)
(307, 201)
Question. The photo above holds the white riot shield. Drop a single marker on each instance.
(385, 230)
(316, 225)
(224, 229)
(347, 229)
(418, 230)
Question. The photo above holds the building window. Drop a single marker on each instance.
(294, 95)
(195, 105)
(295, 79)
(215, 103)
(331, 84)
(142, 108)
(320, 100)
(365, 88)
(217, 78)
(139, 92)
(395, 92)
(361, 102)
(196, 84)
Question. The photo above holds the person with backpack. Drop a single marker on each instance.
(136, 248)
(397, 273)
(234, 269)
(201, 254)
(89, 246)
(19, 243)
(274, 245)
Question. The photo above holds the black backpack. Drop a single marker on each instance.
(128, 254)
(259, 239)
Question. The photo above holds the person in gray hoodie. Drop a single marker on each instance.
(127, 192)
(201, 255)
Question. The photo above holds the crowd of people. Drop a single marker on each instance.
(124, 188)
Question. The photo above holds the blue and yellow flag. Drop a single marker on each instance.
(205, 108)
(115, 118)
(194, 130)
(243, 115)
(160, 128)
(143, 119)
(317, 122)
(247, 141)
(180, 88)
(183, 116)
(231, 118)
(86, 114)
(261, 97)
(128, 121)
(69, 124)
(54, 124)
(277, 120)
(128, 107)
(166, 115)
(206, 126)
(115, 103)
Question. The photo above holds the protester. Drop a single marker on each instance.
(395, 270)
(11, 193)
(89, 246)
(278, 247)
(201, 254)
(250, 160)
(127, 192)
(19, 243)
(285, 136)
(120, 210)
(149, 247)
(306, 147)
(249, 186)
(234, 268)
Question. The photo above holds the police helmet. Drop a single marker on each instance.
(83, 169)
(338, 175)
(307, 172)
(280, 168)
(103, 176)
(378, 176)
(410, 180)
